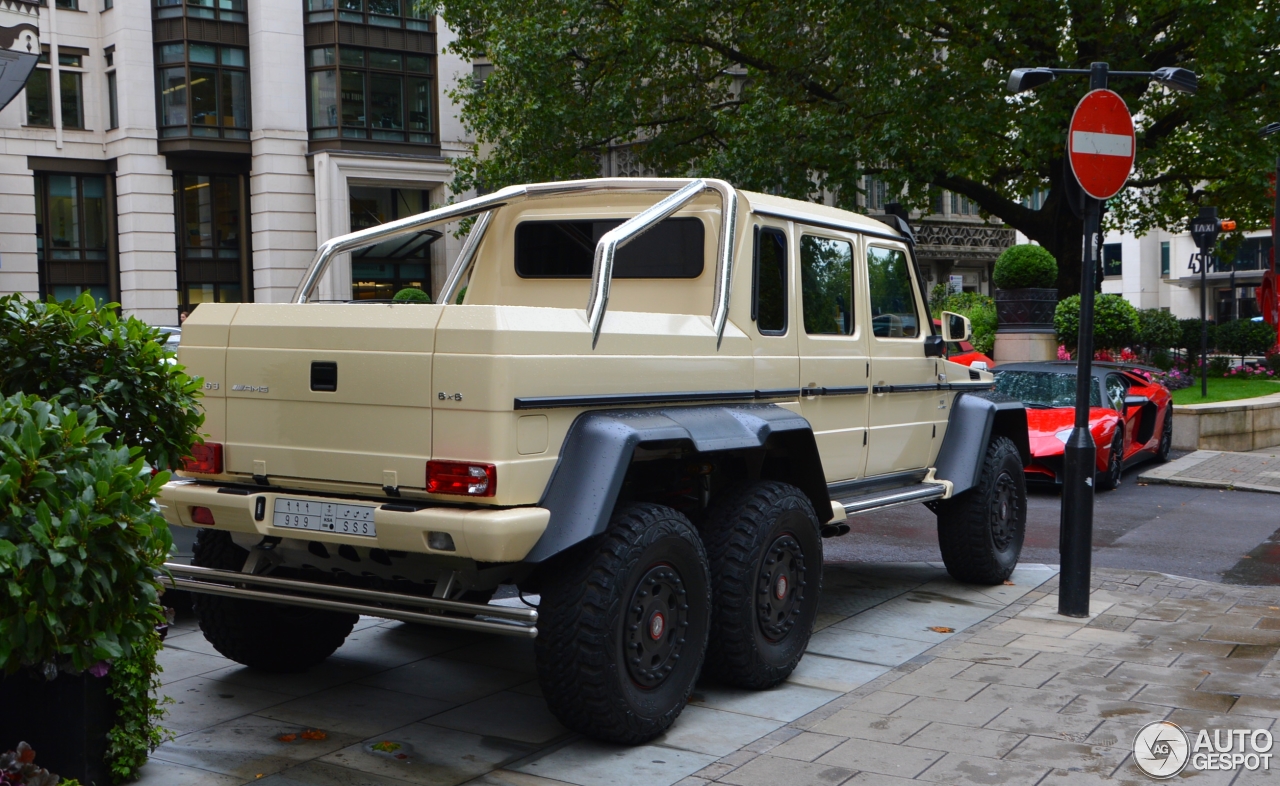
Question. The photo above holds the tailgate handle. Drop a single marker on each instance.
(324, 375)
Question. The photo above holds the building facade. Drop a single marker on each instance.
(167, 153)
(1154, 271)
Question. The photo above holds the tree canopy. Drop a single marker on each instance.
(798, 96)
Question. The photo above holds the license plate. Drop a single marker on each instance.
(324, 517)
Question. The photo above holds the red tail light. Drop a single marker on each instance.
(205, 458)
(459, 477)
(202, 516)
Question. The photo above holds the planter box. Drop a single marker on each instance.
(1246, 424)
(65, 721)
(1025, 310)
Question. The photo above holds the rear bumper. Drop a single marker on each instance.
(487, 535)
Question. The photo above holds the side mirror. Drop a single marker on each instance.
(1136, 401)
(934, 346)
(955, 327)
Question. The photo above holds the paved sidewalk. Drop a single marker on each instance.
(1255, 471)
(1016, 695)
(463, 705)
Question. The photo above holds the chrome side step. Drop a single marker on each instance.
(891, 498)
(503, 620)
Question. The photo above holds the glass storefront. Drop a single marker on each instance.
(73, 236)
(213, 252)
(379, 272)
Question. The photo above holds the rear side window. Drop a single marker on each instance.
(566, 249)
(826, 284)
(893, 302)
(769, 308)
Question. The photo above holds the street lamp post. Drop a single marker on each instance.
(1079, 454)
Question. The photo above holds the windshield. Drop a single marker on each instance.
(1043, 388)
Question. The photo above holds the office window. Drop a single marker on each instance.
(1112, 260)
(826, 285)
(370, 94)
(212, 254)
(70, 5)
(204, 90)
(962, 206)
(40, 95)
(769, 305)
(113, 110)
(409, 14)
(378, 272)
(1164, 258)
(225, 10)
(875, 193)
(72, 232)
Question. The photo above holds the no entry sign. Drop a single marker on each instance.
(1100, 143)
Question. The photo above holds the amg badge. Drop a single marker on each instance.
(250, 388)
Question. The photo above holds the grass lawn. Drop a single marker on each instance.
(1226, 390)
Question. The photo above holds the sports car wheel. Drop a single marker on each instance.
(1166, 438)
(1110, 480)
(980, 532)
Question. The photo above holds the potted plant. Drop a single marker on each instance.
(91, 406)
(1024, 277)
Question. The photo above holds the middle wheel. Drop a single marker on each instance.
(766, 577)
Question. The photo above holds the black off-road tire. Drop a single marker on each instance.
(1166, 438)
(265, 636)
(588, 626)
(981, 531)
(762, 539)
(1110, 479)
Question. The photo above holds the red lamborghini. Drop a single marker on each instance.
(1130, 418)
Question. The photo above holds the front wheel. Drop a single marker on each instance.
(1110, 480)
(980, 531)
(766, 569)
(1166, 438)
(623, 628)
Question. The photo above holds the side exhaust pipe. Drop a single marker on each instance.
(503, 620)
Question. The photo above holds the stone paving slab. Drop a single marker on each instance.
(466, 707)
(1256, 471)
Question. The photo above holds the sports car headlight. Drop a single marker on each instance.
(1064, 435)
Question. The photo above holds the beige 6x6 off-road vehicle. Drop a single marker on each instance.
(654, 400)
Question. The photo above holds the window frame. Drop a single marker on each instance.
(243, 259)
(1166, 258)
(365, 133)
(161, 10)
(855, 330)
(42, 67)
(761, 230)
(916, 294)
(1119, 259)
(363, 16)
(230, 133)
(44, 248)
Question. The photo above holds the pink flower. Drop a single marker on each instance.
(1063, 354)
(100, 669)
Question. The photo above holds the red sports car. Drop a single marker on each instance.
(962, 352)
(1130, 417)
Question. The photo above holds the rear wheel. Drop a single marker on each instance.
(766, 576)
(623, 628)
(266, 636)
(1166, 438)
(1110, 480)
(980, 531)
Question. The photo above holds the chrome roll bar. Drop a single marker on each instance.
(606, 249)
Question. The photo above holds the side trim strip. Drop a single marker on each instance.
(932, 387)
(622, 399)
(853, 391)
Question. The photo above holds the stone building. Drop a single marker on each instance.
(167, 153)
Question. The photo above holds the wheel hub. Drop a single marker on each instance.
(1004, 525)
(780, 594)
(657, 616)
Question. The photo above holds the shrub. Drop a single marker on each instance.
(94, 361)
(80, 548)
(411, 295)
(981, 311)
(1158, 330)
(1273, 362)
(1024, 266)
(1190, 340)
(1219, 365)
(1115, 322)
(936, 297)
(1161, 359)
(1245, 337)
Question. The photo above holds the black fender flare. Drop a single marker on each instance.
(599, 446)
(975, 418)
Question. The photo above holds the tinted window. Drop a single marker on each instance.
(770, 307)
(826, 284)
(893, 303)
(1117, 389)
(566, 249)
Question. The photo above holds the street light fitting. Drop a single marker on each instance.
(1023, 79)
(1179, 79)
(1269, 129)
